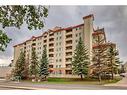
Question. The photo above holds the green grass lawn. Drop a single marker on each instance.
(87, 81)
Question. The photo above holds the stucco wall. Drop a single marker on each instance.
(4, 71)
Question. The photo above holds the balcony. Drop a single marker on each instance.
(51, 39)
(51, 55)
(45, 41)
(68, 45)
(68, 66)
(68, 31)
(69, 48)
(44, 46)
(68, 60)
(68, 53)
(51, 50)
(45, 36)
(51, 44)
(69, 36)
(51, 35)
(33, 44)
(69, 42)
(50, 66)
(25, 47)
(68, 71)
(34, 40)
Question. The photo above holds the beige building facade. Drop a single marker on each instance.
(60, 44)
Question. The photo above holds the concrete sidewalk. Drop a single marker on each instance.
(56, 86)
(22, 87)
(19, 85)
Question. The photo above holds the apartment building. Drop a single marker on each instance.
(60, 44)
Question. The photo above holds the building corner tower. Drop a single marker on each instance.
(87, 33)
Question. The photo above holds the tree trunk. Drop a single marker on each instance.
(81, 77)
(99, 77)
(112, 75)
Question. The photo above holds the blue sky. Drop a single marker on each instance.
(112, 18)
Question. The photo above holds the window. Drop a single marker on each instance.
(76, 35)
(59, 66)
(60, 37)
(45, 36)
(60, 60)
(45, 41)
(56, 60)
(59, 43)
(57, 38)
(59, 54)
(59, 49)
(76, 41)
(56, 44)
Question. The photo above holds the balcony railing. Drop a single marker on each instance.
(69, 36)
(69, 48)
(69, 31)
(51, 50)
(51, 39)
(68, 66)
(51, 55)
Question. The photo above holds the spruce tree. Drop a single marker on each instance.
(80, 60)
(19, 69)
(27, 67)
(34, 65)
(112, 53)
(43, 73)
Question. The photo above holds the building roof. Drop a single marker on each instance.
(55, 29)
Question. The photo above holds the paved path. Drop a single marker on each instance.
(33, 86)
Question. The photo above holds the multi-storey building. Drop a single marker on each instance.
(60, 44)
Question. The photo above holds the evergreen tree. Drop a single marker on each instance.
(44, 65)
(27, 67)
(99, 66)
(80, 60)
(19, 69)
(34, 64)
(112, 53)
(118, 64)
